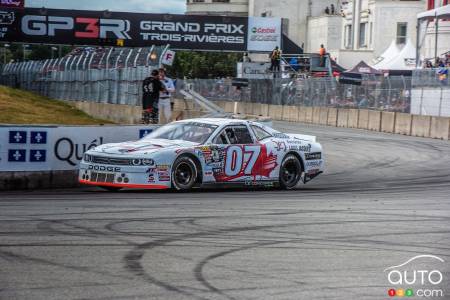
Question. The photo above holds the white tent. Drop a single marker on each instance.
(389, 54)
(442, 11)
(404, 60)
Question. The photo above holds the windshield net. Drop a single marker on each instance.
(192, 132)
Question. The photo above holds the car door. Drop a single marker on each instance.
(240, 155)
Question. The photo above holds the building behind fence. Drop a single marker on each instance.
(114, 75)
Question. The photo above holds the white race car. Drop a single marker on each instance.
(201, 152)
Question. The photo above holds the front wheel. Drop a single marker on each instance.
(290, 172)
(184, 173)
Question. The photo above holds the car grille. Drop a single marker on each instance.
(111, 161)
(102, 177)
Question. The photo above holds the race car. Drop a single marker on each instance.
(205, 152)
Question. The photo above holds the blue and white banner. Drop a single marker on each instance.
(45, 148)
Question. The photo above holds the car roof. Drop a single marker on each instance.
(214, 121)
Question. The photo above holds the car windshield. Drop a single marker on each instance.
(191, 132)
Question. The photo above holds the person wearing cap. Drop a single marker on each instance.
(151, 88)
(165, 97)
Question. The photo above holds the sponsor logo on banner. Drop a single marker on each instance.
(17, 155)
(144, 132)
(38, 155)
(17, 137)
(38, 137)
(264, 34)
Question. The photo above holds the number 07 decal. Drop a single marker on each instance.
(241, 159)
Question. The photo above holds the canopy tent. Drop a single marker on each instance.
(355, 75)
(389, 54)
(404, 60)
(440, 12)
(363, 68)
(423, 20)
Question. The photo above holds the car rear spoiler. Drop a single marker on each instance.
(309, 138)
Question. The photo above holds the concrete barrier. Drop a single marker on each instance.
(387, 121)
(323, 118)
(229, 106)
(308, 114)
(332, 116)
(291, 113)
(374, 120)
(316, 115)
(440, 127)
(276, 112)
(353, 117)
(342, 117)
(124, 114)
(403, 123)
(302, 114)
(420, 126)
(363, 119)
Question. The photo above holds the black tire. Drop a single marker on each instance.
(111, 188)
(290, 172)
(184, 173)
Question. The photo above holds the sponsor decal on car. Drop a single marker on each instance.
(314, 164)
(104, 168)
(313, 156)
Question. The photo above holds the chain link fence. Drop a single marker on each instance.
(107, 75)
(115, 75)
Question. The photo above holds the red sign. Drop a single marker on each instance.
(12, 3)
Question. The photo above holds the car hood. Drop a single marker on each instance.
(143, 146)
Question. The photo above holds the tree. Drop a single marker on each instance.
(204, 64)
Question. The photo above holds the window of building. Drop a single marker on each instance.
(198, 1)
(222, 1)
(402, 30)
(362, 34)
(371, 34)
(348, 36)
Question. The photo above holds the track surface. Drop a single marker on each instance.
(384, 199)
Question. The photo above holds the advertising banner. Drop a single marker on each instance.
(57, 148)
(80, 27)
(105, 28)
(264, 34)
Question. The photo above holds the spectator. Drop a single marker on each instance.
(293, 62)
(327, 10)
(275, 59)
(333, 11)
(322, 53)
(151, 88)
(165, 103)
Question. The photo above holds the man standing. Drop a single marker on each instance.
(165, 97)
(275, 59)
(322, 53)
(150, 97)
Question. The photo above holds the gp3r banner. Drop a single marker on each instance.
(80, 27)
(105, 28)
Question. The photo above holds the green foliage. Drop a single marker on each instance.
(204, 64)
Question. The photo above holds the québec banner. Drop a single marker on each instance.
(183, 32)
(46, 148)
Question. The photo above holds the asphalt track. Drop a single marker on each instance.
(383, 200)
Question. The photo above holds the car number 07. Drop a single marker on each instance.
(237, 155)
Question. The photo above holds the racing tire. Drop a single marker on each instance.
(290, 172)
(111, 188)
(184, 173)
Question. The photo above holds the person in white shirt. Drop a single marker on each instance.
(165, 97)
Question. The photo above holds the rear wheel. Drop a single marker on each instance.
(290, 172)
(184, 173)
